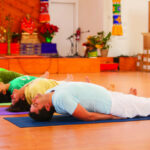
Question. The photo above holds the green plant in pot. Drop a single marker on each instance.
(104, 42)
(91, 46)
(99, 41)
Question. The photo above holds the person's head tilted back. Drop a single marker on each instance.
(41, 108)
(19, 102)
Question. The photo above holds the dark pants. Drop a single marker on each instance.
(5, 98)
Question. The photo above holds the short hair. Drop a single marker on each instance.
(5, 98)
(19, 106)
(43, 114)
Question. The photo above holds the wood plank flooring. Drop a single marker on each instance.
(102, 136)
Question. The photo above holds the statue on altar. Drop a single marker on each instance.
(28, 30)
(28, 25)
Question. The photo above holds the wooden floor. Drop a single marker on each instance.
(101, 136)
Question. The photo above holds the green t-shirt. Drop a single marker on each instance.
(20, 82)
(6, 76)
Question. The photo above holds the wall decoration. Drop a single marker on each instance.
(117, 26)
(44, 14)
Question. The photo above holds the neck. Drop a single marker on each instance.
(50, 98)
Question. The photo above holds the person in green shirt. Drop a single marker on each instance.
(17, 83)
(12, 80)
(6, 89)
(5, 77)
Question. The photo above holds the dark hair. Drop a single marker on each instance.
(19, 106)
(43, 114)
(4, 98)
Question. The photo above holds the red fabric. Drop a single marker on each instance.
(14, 48)
(109, 67)
(3, 48)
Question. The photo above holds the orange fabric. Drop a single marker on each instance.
(117, 30)
(44, 18)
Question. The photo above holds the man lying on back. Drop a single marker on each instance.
(87, 101)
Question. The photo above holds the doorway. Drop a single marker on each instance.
(63, 14)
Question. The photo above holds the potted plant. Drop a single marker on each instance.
(48, 31)
(99, 41)
(104, 42)
(91, 46)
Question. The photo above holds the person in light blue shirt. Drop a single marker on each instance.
(92, 97)
(85, 101)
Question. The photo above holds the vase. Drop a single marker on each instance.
(48, 39)
(92, 53)
(104, 52)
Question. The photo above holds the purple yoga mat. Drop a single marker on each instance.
(3, 111)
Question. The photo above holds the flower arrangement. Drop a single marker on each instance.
(99, 41)
(48, 31)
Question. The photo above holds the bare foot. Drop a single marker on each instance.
(45, 75)
(69, 77)
(111, 87)
(87, 79)
(133, 91)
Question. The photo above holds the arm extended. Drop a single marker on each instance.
(4, 87)
(82, 114)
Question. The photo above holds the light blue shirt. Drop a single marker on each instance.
(92, 97)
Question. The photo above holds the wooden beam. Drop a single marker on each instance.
(149, 16)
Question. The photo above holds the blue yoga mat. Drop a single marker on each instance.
(23, 122)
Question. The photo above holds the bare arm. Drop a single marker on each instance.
(19, 93)
(82, 114)
(23, 88)
(4, 87)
